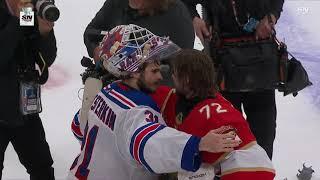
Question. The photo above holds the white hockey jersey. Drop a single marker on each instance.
(126, 139)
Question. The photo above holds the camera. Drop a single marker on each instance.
(46, 10)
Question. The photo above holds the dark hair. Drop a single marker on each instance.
(195, 70)
(141, 68)
(153, 7)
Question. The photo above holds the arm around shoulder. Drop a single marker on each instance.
(158, 148)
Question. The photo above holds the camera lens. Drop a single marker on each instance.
(47, 10)
(51, 13)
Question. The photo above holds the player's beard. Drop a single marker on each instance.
(184, 92)
(143, 86)
(180, 90)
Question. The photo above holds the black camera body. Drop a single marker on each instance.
(46, 10)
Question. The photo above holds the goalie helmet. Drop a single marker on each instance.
(126, 47)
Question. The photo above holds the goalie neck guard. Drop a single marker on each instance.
(126, 47)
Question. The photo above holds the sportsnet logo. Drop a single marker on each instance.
(27, 17)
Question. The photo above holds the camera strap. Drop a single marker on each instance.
(251, 23)
(33, 66)
(43, 69)
(235, 13)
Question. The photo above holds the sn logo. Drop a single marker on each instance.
(27, 18)
(303, 10)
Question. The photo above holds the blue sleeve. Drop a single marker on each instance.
(191, 159)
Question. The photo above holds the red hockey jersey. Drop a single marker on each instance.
(211, 114)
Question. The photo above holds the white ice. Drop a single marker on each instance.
(298, 120)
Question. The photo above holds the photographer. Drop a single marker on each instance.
(21, 48)
(239, 34)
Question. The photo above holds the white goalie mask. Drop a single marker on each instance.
(126, 47)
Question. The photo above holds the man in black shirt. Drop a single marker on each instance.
(162, 17)
(20, 48)
(229, 18)
(231, 13)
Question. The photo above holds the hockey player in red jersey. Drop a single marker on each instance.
(196, 108)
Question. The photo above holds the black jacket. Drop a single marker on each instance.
(175, 23)
(18, 48)
(221, 11)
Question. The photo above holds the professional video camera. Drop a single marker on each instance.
(46, 10)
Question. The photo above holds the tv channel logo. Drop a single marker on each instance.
(27, 17)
